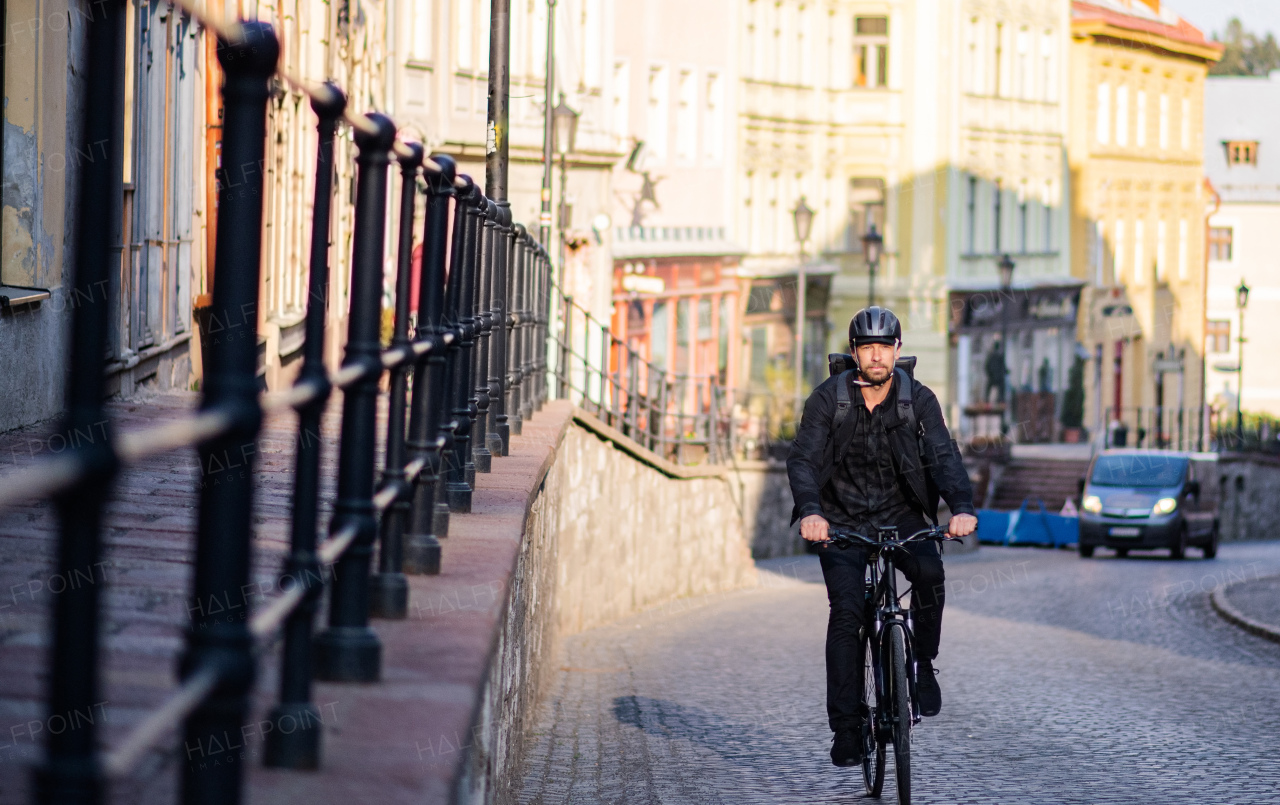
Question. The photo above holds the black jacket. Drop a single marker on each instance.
(939, 472)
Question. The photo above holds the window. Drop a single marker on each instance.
(1217, 335)
(1139, 256)
(1186, 124)
(1164, 122)
(1099, 253)
(1162, 234)
(687, 117)
(621, 99)
(803, 48)
(1220, 238)
(971, 217)
(656, 139)
(713, 135)
(1182, 249)
(1023, 77)
(704, 319)
(1122, 114)
(420, 49)
(999, 59)
(1117, 257)
(466, 33)
(975, 55)
(1048, 217)
(997, 212)
(1104, 113)
(1050, 75)
(1242, 152)
(1141, 137)
(871, 51)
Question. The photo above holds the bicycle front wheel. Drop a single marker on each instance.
(899, 701)
(873, 749)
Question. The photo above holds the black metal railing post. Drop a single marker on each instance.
(545, 289)
(349, 651)
(460, 471)
(431, 383)
(516, 320)
(480, 452)
(523, 399)
(500, 436)
(299, 747)
(388, 588)
(563, 365)
(218, 635)
(70, 771)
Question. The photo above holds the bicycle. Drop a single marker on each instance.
(887, 647)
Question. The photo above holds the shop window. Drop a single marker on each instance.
(1217, 335)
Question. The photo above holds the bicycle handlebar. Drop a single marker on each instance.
(842, 539)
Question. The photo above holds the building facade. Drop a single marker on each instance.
(1240, 119)
(1137, 84)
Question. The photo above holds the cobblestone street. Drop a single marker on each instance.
(1064, 681)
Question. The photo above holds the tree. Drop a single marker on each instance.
(1246, 53)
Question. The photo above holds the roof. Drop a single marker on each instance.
(1135, 21)
(1243, 108)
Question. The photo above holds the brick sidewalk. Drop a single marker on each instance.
(397, 741)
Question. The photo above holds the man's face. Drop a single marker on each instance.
(876, 362)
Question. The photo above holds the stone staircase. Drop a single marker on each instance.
(1049, 479)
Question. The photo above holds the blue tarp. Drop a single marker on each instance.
(1030, 525)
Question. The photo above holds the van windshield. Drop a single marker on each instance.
(1139, 470)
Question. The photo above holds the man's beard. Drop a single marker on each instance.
(866, 375)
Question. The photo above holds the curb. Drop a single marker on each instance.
(1232, 615)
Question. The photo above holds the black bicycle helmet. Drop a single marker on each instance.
(875, 325)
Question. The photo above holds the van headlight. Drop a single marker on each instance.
(1092, 504)
(1164, 506)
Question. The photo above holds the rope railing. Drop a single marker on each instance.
(463, 376)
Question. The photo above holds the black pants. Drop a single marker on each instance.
(844, 572)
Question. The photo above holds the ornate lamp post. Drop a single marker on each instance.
(1006, 266)
(1242, 301)
(802, 216)
(872, 243)
(565, 121)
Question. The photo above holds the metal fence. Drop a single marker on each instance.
(462, 381)
(685, 419)
(1156, 428)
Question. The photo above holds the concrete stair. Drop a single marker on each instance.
(1051, 480)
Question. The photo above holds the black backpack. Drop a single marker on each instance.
(842, 364)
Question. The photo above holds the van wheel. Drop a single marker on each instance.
(1211, 547)
(1086, 551)
(1179, 548)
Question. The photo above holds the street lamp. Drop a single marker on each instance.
(565, 122)
(802, 217)
(1242, 301)
(1006, 266)
(872, 242)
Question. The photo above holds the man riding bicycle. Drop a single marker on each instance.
(888, 474)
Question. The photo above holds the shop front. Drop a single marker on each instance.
(1013, 353)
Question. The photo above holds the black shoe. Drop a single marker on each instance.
(927, 690)
(846, 749)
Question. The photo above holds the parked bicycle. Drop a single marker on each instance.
(889, 687)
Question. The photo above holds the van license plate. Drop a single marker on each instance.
(1125, 531)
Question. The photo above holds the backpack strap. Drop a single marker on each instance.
(843, 402)
(906, 410)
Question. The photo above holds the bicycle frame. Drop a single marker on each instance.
(886, 612)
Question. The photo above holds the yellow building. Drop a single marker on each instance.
(1137, 78)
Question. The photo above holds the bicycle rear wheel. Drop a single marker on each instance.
(873, 749)
(899, 701)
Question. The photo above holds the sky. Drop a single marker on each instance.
(1259, 16)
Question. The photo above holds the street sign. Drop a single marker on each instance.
(1167, 365)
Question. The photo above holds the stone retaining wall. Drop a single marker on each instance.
(1249, 486)
(610, 531)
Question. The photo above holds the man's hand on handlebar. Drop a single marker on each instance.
(962, 525)
(814, 528)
